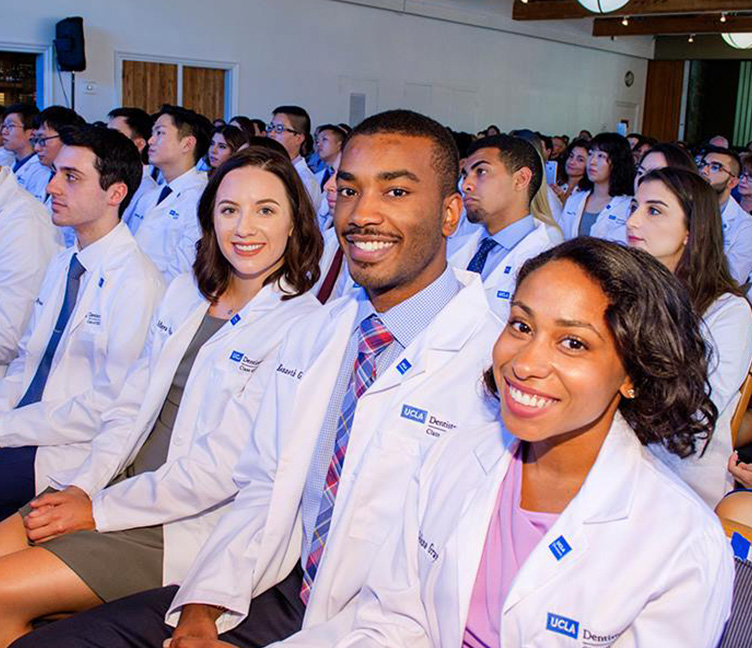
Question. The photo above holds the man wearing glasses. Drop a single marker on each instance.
(17, 131)
(291, 127)
(47, 145)
(721, 168)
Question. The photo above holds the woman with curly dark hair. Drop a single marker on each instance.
(564, 528)
(601, 207)
(676, 219)
(135, 514)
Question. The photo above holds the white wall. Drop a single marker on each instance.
(316, 52)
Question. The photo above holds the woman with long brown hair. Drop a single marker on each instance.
(676, 219)
(135, 514)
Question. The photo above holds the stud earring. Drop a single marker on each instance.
(630, 393)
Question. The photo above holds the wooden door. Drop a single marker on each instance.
(148, 85)
(204, 91)
(663, 96)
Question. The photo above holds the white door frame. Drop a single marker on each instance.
(232, 76)
(45, 71)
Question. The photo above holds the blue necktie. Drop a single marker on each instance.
(478, 262)
(36, 387)
(325, 178)
(166, 191)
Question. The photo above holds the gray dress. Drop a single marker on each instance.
(587, 222)
(121, 563)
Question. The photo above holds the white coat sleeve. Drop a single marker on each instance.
(24, 257)
(116, 443)
(390, 612)
(58, 422)
(192, 483)
(222, 573)
(690, 608)
(731, 333)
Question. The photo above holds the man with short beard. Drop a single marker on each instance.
(721, 168)
(364, 387)
(500, 178)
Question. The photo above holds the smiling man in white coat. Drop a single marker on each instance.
(89, 322)
(361, 390)
(500, 178)
(23, 221)
(165, 220)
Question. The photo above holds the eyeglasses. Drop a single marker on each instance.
(279, 129)
(746, 176)
(715, 167)
(8, 126)
(42, 141)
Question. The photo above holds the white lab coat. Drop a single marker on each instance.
(34, 177)
(190, 492)
(344, 283)
(169, 231)
(148, 184)
(737, 240)
(554, 203)
(105, 334)
(727, 328)
(499, 284)
(28, 241)
(309, 182)
(6, 158)
(611, 223)
(635, 560)
(437, 391)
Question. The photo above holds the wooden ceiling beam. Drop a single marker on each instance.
(568, 9)
(654, 25)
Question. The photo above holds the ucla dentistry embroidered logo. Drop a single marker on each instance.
(562, 625)
(245, 364)
(414, 414)
(435, 427)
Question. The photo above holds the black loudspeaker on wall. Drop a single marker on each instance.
(69, 44)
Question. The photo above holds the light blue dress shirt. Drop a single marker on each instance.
(405, 322)
(507, 238)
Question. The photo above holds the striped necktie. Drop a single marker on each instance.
(36, 387)
(373, 338)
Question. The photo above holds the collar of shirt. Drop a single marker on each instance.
(93, 254)
(509, 236)
(20, 163)
(190, 178)
(409, 318)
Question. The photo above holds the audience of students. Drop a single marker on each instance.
(174, 461)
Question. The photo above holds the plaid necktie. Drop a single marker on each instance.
(479, 260)
(372, 340)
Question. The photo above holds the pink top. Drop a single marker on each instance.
(512, 536)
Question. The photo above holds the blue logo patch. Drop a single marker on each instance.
(502, 294)
(612, 217)
(236, 356)
(559, 548)
(562, 625)
(101, 281)
(403, 366)
(235, 320)
(414, 414)
(740, 545)
(508, 269)
(174, 214)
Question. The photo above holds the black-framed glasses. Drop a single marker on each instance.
(279, 129)
(42, 141)
(715, 167)
(745, 175)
